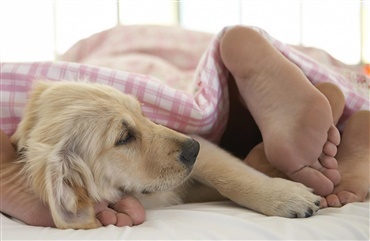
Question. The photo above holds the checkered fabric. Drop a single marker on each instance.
(203, 111)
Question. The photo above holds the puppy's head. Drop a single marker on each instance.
(89, 142)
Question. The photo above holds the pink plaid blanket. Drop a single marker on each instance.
(177, 74)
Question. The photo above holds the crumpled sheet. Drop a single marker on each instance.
(177, 74)
(172, 55)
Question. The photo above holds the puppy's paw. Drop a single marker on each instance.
(290, 199)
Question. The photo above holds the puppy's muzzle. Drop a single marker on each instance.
(190, 150)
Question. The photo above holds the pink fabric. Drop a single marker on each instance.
(177, 74)
(170, 54)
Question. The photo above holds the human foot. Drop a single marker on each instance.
(294, 118)
(353, 154)
(257, 157)
(353, 160)
(17, 201)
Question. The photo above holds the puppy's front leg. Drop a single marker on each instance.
(250, 188)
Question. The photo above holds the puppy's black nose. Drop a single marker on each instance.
(190, 150)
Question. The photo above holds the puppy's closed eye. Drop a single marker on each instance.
(125, 138)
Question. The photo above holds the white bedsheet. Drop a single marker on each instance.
(211, 221)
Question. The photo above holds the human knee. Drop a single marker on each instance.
(239, 49)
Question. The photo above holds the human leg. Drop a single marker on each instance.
(296, 135)
(17, 201)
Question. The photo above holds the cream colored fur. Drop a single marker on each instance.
(82, 143)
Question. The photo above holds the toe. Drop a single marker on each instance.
(334, 135)
(314, 179)
(323, 203)
(132, 207)
(328, 162)
(333, 175)
(346, 197)
(123, 220)
(330, 149)
(107, 217)
(333, 201)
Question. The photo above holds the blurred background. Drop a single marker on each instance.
(38, 30)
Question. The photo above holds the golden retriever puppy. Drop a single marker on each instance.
(82, 143)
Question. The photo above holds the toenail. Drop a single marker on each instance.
(308, 213)
(294, 215)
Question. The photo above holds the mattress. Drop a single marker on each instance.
(213, 221)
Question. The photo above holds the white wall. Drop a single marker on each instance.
(33, 30)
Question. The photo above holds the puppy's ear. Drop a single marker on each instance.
(67, 184)
(30, 115)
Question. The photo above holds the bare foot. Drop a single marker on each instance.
(354, 160)
(257, 157)
(353, 154)
(16, 199)
(258, 160)
(294, 118)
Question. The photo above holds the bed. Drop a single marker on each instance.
(214, 221)
(178, 76)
